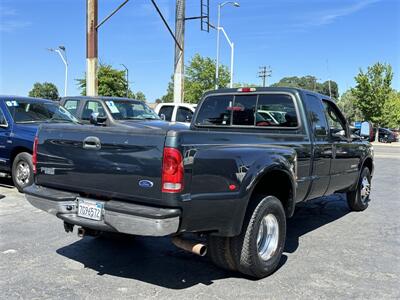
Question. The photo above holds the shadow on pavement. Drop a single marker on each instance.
(6, 183)
(157, 261)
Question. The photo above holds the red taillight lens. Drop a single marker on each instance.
(172, 171)
(246, 90)
(34, 154)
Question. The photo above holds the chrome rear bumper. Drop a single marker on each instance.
(118, 216)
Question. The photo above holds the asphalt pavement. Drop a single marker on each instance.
(330, 253)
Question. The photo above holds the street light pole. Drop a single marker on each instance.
(235, 4)
(64, 59)
(127, 80)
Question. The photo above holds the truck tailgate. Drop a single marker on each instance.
(108, 162)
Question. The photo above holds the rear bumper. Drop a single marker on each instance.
(118, 216)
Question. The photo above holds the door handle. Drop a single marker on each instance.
(92, 142)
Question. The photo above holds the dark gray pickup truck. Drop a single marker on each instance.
(234, 176)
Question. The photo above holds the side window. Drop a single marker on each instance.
(3, 120)
(276, 110)
(71, 106)
(243, 110)
(183, 114)
(317, 117)
(167, 111)
(335, 119)
(92, 107)
(215, 111)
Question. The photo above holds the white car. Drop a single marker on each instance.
(176, 112)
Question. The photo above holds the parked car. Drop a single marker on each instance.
(233, 176)
(385, 135)
(108, 111)
(176, 112)
(19, 121)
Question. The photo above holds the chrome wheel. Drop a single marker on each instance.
(365, 190)
(23, 173)
(268, 236)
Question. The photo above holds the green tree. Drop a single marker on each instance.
(309, 83)
(347, 106)
(199, 78)
(112, 82)
(391, 111)
(372, 91)
(46, 90)
(139, 96)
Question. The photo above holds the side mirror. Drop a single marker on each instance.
(97, 120)
(365, 129)
(162, 116)
(340, 134)
(188, 119)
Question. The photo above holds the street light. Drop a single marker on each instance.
(127, 80)
(64, 59)
(235, 4)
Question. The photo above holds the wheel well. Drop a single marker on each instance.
(276, 183)
(16, 151)
(368, 164)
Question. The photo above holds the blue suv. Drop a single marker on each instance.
(19, 120)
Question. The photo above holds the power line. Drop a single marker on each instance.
(264, 73)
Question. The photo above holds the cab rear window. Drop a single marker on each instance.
(252, 110)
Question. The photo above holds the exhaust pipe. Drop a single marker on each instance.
(191, 246)
(81, 232)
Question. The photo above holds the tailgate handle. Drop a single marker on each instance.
(92, 142)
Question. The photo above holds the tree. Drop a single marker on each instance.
(199, 78)
(372, 91)
(309, 83)
(139, 96)
(46, 90)
(112, 82)
(347, 106)
(391, 111)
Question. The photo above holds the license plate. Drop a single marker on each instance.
(90, 209)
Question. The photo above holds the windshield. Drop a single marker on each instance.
(32, 112)
(130, 110)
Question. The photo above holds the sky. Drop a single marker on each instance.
(324, 38)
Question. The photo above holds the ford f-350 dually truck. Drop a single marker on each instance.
(235, 176)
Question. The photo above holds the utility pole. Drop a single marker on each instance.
(127, 80)
(179, 65)
(264, 73)
(91, 48)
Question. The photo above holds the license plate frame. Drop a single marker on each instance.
(90, 209)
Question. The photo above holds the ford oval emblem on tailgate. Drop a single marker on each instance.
(146, 184)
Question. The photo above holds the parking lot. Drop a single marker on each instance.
(330, 253)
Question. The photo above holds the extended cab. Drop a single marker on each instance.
(249, 156)
(19, 120)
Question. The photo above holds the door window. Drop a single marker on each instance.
(336, 121)
(183, 114)
(93, 107)
(167, 111)
(72, 106)
(317, 117)
(3, 120)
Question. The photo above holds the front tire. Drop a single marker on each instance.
(22, 171)
(358, 200)
(257, 251)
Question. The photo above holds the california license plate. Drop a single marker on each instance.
(90, 209)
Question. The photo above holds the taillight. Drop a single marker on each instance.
(34, 154)
(172, 171)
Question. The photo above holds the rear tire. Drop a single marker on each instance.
(358, 199)
(257, 251)
(219, 251)
(22, 171)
